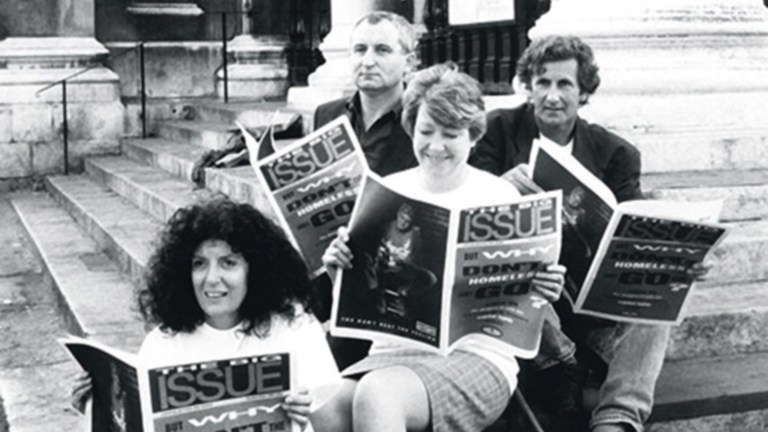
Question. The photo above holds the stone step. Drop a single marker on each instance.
(122, 231)
(706, 141)
(241, 185)
(151, 189)
(249, 114)
(735, 327)
(157, 111)
(36, 397)
(745, 192)
(740, 258)
(701, 148)
(238, 183)
(211, 135)
(173, 157)
(720, 394)
(723, 320)
(94, 297)
(36, 374)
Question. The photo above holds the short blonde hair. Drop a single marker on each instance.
(452, 99)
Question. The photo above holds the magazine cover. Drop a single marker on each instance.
(588, 206)
(232, 395)
(312, 185)
(628, 261)
(497, 252)
(429, 276)
(116, 400)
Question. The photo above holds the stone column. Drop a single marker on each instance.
(677, 75)
(44, 47)
(333, 79)
(259, 68)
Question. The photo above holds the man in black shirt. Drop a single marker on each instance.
(382, 53)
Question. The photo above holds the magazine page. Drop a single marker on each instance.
(115, 403)
(394, 290)
(643, 263)
(498, 249)
(312, 185)
(233, 395)
(692, 211)
(588, 206)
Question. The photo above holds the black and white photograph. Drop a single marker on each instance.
(571, 233)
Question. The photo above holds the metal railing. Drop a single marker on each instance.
(140, 48)
(487, 51)
(224, 39)
(64, 101)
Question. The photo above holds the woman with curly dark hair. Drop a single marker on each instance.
(276, 277)
(225, 282)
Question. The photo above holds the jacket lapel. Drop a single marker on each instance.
(584, 148)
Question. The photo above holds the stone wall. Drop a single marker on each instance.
(31, 121)
(47, 17)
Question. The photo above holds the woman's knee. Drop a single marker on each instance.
(336, 414)
(396, 391)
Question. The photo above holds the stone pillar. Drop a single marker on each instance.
(259, 68)
(688, 71)
(31, 122)
(333, 79)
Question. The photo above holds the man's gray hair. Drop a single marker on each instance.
(405, 32)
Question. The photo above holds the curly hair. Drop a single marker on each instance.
(452, 99)
(558, 48)
(277, 276)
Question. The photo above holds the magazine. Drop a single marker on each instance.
(232, 395)
(627, 261)
(312, 185)
(430, 276)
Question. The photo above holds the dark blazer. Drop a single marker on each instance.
(510, 136)
(328, 111)
(386, 145)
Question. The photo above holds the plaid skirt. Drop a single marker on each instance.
(467, 393)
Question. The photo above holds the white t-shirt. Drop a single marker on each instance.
(303, 338)
(563, 149)
(479, 189)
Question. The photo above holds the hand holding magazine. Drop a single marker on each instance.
(312, 185)
(429, 276)
(627, 261)
(226, 395)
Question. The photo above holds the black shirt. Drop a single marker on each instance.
(387, 147)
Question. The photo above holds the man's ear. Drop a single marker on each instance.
(411, 61)
(583, 98)
(519, 88)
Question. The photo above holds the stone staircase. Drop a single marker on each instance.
(94, 233)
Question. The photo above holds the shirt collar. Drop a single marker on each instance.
(354, 107)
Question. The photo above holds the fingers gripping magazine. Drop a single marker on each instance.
(627, 261)
(429, 276)
(312, 185)
(232, 395)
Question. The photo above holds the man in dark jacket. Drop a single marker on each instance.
(382, 53)
(560, 75)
